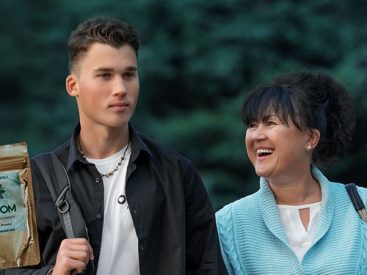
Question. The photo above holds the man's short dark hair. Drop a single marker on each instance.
(103, 30)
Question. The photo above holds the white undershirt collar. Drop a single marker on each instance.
(299, 239)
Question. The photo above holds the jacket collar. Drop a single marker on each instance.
(327, 205)
(269, 211)
(137, 146)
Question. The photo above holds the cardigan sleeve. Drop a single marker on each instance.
(362, 269)
(227, 240)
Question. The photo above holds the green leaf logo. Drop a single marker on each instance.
(2, 191)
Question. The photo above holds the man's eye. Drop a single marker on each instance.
(105, 76)
(129, 75)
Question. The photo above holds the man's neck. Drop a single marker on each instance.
(102, 142)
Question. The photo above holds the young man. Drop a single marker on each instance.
(145, 206)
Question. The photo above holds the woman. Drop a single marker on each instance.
(298, 222)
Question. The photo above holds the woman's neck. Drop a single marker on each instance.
(305, 191)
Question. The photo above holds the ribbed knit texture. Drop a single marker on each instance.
(253, 240)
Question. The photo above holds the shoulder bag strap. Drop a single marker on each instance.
(70, 215)
(59, 187)
(356, 200)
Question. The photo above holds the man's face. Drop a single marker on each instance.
(106, 86)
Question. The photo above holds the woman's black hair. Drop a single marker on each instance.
(310, 101)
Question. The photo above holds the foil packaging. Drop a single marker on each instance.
(18, 229)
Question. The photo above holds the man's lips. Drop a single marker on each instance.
(119, 106)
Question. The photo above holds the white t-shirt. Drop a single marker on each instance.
(119, 249)
(299, 238)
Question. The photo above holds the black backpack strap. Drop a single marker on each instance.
(58, 184)
(356, 200)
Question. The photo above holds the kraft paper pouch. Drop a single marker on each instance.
(18, 229)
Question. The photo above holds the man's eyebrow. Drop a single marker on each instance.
(108, 69)
(103, 69)
(131, 68)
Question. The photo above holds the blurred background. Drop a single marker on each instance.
(198, 60)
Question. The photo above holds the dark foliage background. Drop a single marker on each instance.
(198, 60)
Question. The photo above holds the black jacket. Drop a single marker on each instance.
(172, 214)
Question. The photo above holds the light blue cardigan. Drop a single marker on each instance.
(253, 240)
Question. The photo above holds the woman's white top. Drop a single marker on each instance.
(299, 238)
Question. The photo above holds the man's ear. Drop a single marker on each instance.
(313, 140)
(72, 86)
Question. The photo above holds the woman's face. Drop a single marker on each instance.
(278, 152)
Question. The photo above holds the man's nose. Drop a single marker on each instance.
(119, 86)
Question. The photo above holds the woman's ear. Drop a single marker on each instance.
(313, 139)
(72, 86)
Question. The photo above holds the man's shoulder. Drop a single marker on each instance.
(162, 152)
(61, 151)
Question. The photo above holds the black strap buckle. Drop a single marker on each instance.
(62, 205)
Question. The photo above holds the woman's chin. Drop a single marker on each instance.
(262, 173)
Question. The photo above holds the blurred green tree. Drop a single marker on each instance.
(198, 60)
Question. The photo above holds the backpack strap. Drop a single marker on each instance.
(58, 184)
(356, 200)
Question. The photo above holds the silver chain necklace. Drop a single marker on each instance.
(109, 174)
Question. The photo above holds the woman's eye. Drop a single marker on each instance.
(251, 125)
(271, 122)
